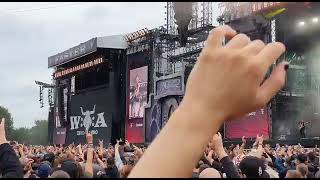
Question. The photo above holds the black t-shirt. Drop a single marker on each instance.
(112, 172)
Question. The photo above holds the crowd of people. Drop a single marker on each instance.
(72, 161)
(117, 161)
(226, 82)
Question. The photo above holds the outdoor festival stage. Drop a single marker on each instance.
(143, 75)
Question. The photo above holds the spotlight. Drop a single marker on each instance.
(315, 20)
(301, 23)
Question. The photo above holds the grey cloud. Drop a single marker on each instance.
(97, 12)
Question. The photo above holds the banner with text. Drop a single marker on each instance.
(89, 113)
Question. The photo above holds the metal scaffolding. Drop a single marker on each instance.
(173, 57)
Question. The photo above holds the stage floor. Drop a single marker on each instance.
(305, 142)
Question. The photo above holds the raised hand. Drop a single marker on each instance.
(100, 142)
(259, 139)
(217, 142)
(137, 151)
(243, 140)
(218, 146)
(2, 132)
(226, 77)
(127, 143)
(89, 138)
(116, 146)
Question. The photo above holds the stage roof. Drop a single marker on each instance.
(90, 46)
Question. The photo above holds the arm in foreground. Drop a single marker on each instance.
(210, 99)
(9, 162)
(89, 164)
(228, 167)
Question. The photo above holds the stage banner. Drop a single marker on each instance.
(90, 112)
(59, 132)
(249, 126)
(59, 135)
(135, 130)
(137, 101)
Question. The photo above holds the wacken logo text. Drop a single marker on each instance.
(87, 120)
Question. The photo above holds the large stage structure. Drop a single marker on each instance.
(89, 90)
(127, 86)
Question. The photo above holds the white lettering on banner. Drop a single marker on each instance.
(139, 125)
(101, 121)
(93, 132)
(75, 122)
(86, 120)
(80, 133)
(254, 113)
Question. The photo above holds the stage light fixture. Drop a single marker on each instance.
(301, 23)
(315, 20)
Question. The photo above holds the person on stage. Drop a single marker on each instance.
(136, 97)
(302, 129)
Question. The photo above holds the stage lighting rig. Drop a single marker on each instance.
(41, 97)
(50, 97)
(43, 86)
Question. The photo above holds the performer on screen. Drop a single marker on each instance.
(302, 128)
(136, 97)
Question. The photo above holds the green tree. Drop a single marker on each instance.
(39, 133)
(22, 136)
(4, 113)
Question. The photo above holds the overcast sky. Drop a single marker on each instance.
(31, 32)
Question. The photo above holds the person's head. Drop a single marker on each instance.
(210, 173)
(203, 167)
(311, 157)
(253, 167)
(303, 169)
(110, 162)
(293, 174)
(62, 158)
(72, 168)
(301, 158)
(49, 157)
(47, 162)
(44, 170)
(60, 174)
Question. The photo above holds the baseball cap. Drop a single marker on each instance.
(44, 170)
(253, 167)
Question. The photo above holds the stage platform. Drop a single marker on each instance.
(305, 142)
